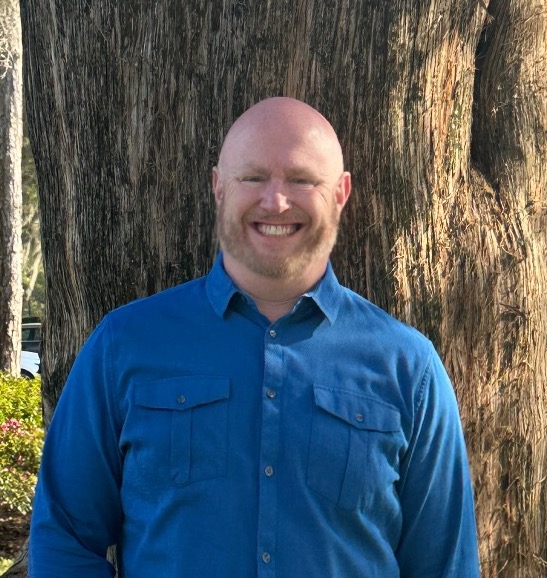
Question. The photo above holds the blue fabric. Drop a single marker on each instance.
(209, 443)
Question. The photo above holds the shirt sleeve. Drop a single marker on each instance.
(439, 536)
(77, 511)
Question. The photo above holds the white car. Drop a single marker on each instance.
(30, 364)
(31, 336)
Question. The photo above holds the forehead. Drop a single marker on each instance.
(279, 145)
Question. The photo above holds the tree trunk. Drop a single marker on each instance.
(509, 372)
(11, 142)
(440, 106)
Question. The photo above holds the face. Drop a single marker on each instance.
(280, 189)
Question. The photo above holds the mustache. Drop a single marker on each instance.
(288, 217)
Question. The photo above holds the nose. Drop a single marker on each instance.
(274, 197)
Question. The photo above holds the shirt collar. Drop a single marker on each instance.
(327, 294)
(220, 289)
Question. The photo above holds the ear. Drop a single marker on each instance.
(343, 190)
(217, 185)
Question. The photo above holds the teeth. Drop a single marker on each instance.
(276, 230)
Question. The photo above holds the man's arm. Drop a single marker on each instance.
(77, 511)
(439, 531)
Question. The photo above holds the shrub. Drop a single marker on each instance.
(21, 440)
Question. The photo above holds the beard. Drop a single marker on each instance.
(232, 234)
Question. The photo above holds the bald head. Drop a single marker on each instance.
(282, 119)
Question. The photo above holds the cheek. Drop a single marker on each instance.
(238, 201)
(322, 210)
(229, 204)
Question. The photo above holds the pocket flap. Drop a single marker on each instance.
(182, 393)
(360, 411)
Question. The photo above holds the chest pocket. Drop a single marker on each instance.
(354, 447)
(180, 428)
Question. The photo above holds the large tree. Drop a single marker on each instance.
(11, 142)
(440, 105)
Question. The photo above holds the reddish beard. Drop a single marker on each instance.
(232, 234)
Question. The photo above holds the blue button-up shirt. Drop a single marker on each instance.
(207, 442)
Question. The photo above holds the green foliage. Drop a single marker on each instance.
(21, 440)
(5, 564)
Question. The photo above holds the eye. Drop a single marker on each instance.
(252, 179)
(303, 182)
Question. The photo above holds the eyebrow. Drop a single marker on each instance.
(251, 167)
(298, 171)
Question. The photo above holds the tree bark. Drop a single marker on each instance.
(11, 142)
(128, 103)
(510, 372)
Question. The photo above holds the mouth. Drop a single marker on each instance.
(269, 230)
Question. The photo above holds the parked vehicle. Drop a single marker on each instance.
(31, 336)
(30, 364)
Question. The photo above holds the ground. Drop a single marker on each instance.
(13, 532)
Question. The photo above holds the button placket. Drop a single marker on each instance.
(269, 448)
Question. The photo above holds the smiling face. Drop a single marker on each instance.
(280, 188)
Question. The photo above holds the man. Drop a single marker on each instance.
(263, 420)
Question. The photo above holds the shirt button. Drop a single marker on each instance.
(181, 399)
(273, 333)
(271, 393)
(269, 471)
(266, 557)
(359, 417)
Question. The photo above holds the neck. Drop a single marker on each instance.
(274, 308)
(273, 297)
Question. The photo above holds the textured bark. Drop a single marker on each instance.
(508, 425)
(446, 226)
(11, 142)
